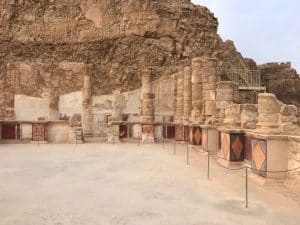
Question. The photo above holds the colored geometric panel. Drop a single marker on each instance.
(179, 133)
(205, 139)
(8, 131)
(123, 131)
(259, 156)
(237, 147)
(195, 135)
(225, 145)
(38, 132)
(186, 133)
(247, 148)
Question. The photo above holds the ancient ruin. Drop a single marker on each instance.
(143, 70)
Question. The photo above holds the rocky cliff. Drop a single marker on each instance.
(44, 43)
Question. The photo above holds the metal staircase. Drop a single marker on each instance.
(246, 78)
(78, 133)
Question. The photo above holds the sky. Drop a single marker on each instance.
(265, 30)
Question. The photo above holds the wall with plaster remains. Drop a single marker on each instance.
(70, 104)
(31, 108)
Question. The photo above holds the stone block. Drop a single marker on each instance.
(210, 108)
(268, 103)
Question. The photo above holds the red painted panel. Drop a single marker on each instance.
(8, 131)
(171, 132)
(38, 132)
(123, 131)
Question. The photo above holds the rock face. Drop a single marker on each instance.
(283, 81)
(119, 38)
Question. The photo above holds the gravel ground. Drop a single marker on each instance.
(99, 184)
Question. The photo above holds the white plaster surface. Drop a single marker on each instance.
(164, 94)
(95, 184)
(71, 103)
(277, 158)
(26, 131)
(30, 108)
(132, 102)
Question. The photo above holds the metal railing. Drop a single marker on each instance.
(245, 78)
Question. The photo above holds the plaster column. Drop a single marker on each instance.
(86, 105)
(113, 136)
(209, 73)
(187, 94)
(116, 107)
(197, 95)
(175, 78)
(225, 95)
(179, 98)
(147, 117)
(53, 107)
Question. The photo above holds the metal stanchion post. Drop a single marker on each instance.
(187, 154)
(208, 156)
(76, 138)
(174, 147)
(246, 187)
(183, 133)
(38, 142)
(166, 137)
(128, 131)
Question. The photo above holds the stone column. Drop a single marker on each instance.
(187, 94)
(2, 102)
(209, 73)
(175, 77)
(113, 136)
(147, 117)
(268, 113)
(116, 107)
(86, 105)
(225, 95)
(179, 98)
(53, 107)
(197, 97)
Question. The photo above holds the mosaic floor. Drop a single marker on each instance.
(95, 184)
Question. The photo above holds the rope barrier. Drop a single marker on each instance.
(262, 171)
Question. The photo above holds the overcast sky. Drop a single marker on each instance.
(265, 30)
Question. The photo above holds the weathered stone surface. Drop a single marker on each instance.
(120, 38)
(249, 116)
(283, 81)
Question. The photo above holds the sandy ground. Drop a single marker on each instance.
(99, 184)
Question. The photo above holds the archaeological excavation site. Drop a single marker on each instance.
(144, 72)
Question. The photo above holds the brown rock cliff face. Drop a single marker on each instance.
(45, 43)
